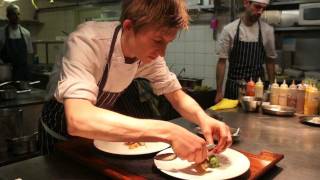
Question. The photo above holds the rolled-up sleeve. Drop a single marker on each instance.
(162, 80)
(79, 69)
(270, 44)
(224, 44)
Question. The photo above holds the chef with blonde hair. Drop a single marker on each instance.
(247, 43)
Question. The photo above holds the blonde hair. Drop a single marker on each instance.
(163, 13)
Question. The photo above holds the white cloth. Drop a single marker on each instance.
(262, 1)
(86, 56)
(247, 34)
(15, 34)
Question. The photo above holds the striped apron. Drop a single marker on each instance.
(246, 60)
(53, 127)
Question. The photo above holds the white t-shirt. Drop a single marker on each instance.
(247, 34)
(86, 56)
(15, 34)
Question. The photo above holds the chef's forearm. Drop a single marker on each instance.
(220, 70)
(88, 121)
(270, 68)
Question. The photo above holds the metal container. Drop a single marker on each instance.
(10, 125)
(23, 144)
(5, 72)
(278, 110)
(250, 104)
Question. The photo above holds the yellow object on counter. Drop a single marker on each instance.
(225, 104)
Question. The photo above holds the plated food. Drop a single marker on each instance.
(228, 164)
(310, 120)
(131, 148)
(133, 145)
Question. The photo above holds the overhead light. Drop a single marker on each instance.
(9, 1)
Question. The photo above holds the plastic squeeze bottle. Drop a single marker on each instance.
(283, 94)
(292, 95)
(311, 101)
(259, 89)
(300, 98)
(250, 88)
(274, 93)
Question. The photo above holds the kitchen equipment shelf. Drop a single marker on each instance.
(23, 22)
(294, 2)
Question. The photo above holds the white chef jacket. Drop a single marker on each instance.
(15, 34)
(247, 34)
(85, 58)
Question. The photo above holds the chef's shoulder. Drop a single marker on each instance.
(95, 30)
(231, 27)
(266, 27)
(25, 32)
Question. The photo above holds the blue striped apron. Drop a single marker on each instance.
(53, 127)
(246, 60)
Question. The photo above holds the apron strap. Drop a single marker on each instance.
(51, 132)
(106, 71)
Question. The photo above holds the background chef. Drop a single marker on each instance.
(247, 43)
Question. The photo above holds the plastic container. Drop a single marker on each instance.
(292, 95)
(250, 88)
(274, 97)
(283, 94)
(259, 89)
(311, 104)
(301, 91)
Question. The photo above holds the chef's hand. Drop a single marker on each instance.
(213, 128)
(219, 97)
(188, 146)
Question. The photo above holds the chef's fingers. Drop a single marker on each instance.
(224, 140)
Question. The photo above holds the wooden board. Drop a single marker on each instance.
(142, 167)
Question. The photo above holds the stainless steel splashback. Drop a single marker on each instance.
(307, 55)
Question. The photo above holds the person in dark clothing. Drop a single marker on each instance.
(15, 44)
(247, 43)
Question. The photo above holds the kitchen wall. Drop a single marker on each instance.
(27, 10)
(194, 50)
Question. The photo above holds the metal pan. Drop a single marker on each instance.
(310, 120)
(278, 110)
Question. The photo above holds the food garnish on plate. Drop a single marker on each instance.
(133, 145)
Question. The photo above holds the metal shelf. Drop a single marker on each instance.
(294, 2)
(300, 28)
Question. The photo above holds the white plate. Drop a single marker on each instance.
(232, 164)
(122, 149)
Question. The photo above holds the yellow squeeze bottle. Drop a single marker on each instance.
(275, 93)
(259, 89)
(283, 94)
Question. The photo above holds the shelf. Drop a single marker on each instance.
(304, 28)
(23, 22)
(294, 2)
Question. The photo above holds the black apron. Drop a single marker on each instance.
(15, 52)
(245, 62)
(53, 126)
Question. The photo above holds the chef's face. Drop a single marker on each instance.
(151, 42)
(14, 17)
(254, 10)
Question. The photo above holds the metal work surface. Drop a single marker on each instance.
(299, 143)
(35, 97)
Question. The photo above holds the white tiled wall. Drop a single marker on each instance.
(194, 50)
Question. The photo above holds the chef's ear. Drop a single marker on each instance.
(127, 25)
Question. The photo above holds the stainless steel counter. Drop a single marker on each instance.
(299, 143)
(35, 97)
